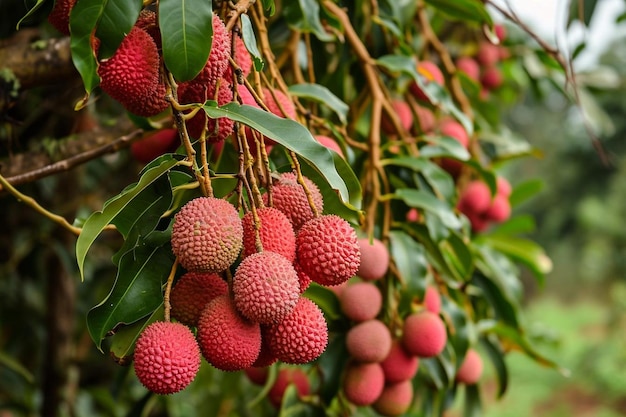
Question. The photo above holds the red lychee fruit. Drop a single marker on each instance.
(227, 340)
(265, 287)
(155, 144)
(242, 57)
(500, 31)
(275, 232)
(405, 116)
(59, 16)
(454, 129)
(330, 144)
(504, 187)
(286, 377)
(361, 301)
(488, 54)
(257, 375)
(500, 209)
(304, 279)
(469, 66)
(491, 78)
(279, 103)
(131, 75)
(192, 292)
(430, 73)
(374, 259)
(327, 249)
(207, 235)
(432, 300)
(266, 356)
(424, 334)
(147, 21)
(478, 221)
(471, 368)
(167, 357)
(395, 399)
(195, 92)
(289, 197)
(399, 365)
(425, 119)
(301, 337)
(246, 97)
(363, 383)
(475, 198)
(217, 61)
(369, 341)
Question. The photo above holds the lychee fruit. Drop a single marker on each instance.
(454, 129)
(475, 198)
(167, 357)
(425, 119)
(430, 72)
(491, 78)
(363, 383)
(192, 292)
(361, 301)
(395, 399)
(471, 368)
(147, 21)
(432, 300)
(257, 375)
(155, 144)
(275, 233)
(469, 66)
(327, 249)
(504, 187)
(500, 209)
(266, 356)
(242, 57)
(279, 103)
(424, 334)
(500, 31)
(289, 197)
(399, 365)
(330, 143)
(374, 259)
(217, 61)
(301, 337)
(150, 106)
(286, 377)
(304, 279)
(59, 16)
(488, 54)
(403, 111)
(265, 287)
(207, 235)
(216, 129)
(369, 341)
(228, 341)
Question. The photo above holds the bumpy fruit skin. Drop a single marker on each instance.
(327, 250)
(361, 301)
(279, 103)
(266, 356)
(403, 111)
(167, 357)
(431, 73)
(471, 368)
(432, 300)
(399, 365)
(369, 341)
(155, 144)
(265, 287)
(59, 17)
(395, 399)
(217, 61)
(275, 231)
(374, 259)
(242, 57)
(191, 294)
(330, 144)
(424, 334)
(363, 383)
(207, 235)
(301, 337)
(286, 377)
(227, 340)
(469, 66)
(304, 279)
(131, 75)
(290, 198)
(196, 92)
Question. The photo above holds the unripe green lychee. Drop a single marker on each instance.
(363, 383)
(374, 259)
(275, 232)
(166, 358)
(228, 341)
(361, 301)
(289, 197)
(207, 235)
(424, 334)
(327, 250)
(399, 365)
(192, 292)
(265, 287)
(395, 399)
(471, 368)
(369, 341)
(286, 377)
(301, 337)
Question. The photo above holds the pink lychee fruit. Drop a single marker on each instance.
(404, 114)
(475, 198)
(369, 341)
(330, 143)
(469, 66)
(286, 377)
(257, 375)
(361, 301)
(491, 78)
(431, 74)
(192, 292)
(395, 399)
(363, 383)
(166, 358)
(424, 334)
(289, 197)
(425, 119)
(432, 299)
(488, 54)
(216, 129)
(274, 230)
(59, 16)
(504, 187)
(399, 365)
(471, 368)
(217, 62)
(454, 129)
(500, 209)
(374, 259)
(242, 57)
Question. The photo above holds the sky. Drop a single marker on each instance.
(548, 18)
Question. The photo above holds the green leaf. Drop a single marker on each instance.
(83, 20)
(136, 292)
(249, 39)
(473, 406)
(523, 250)
(468, 10)
(427, 201)
(331, 365)
(269, 5)
(322, 95)
(12, 364)
(123, 341)
(439, 180)
(304, 16)
(496, 355)
(458, 256)
(444, 146)
(30, 13)
(186, 27)
(326, 299)
(96, 223)
(297, 138)
(525, 191)
(410, 260)
(118, 18)
(584, 16)
(504, 307)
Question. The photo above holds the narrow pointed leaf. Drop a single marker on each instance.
(427, 201)
(323, 95)
(468, 10)
(118, 18)
(83, 20)
(249, 39)
(30, 12)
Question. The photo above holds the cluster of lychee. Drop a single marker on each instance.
(260, 315)
(481, 209)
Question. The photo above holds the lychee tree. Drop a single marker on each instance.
(322, 199)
